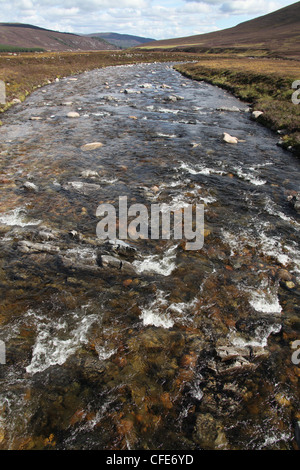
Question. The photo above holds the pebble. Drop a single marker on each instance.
(229, 139)
(73, 114)
(91, 146)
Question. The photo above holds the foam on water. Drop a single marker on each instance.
(260, 336)
(156, 264)
(251, 177)
(168, 136)
(168, 111)
(155, 314)
(59, 339)
(17, 217)
(162, 313)
(200, 169)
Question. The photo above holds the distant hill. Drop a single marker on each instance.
(123, 41)
(276, 34)
(28, 36)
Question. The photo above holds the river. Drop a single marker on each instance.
(174, 348)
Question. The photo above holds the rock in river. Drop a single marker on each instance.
(91, 146)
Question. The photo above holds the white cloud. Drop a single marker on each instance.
(159, 19)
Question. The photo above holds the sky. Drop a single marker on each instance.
(157, 19)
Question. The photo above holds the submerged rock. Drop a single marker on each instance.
(209, 433)
(84, 188)
(29, 247)
(106, 261)
(232, 109)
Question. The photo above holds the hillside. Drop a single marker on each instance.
(29, 36)
(123, 41)
(275, 34)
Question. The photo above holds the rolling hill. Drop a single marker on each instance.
(123, 41)
(29, 36)
(275, 34)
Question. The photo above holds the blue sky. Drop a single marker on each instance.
(158, 19)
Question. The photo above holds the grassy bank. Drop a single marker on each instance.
(265, 83)
(23, 73)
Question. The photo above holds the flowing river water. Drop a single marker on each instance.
(173, 349)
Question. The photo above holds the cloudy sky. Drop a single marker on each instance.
(158, 19)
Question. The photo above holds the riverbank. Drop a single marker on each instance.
(265, 83)
(24, 73)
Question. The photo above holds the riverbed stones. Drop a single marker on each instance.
(29, 247)
(209, 433)
(107, 261)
